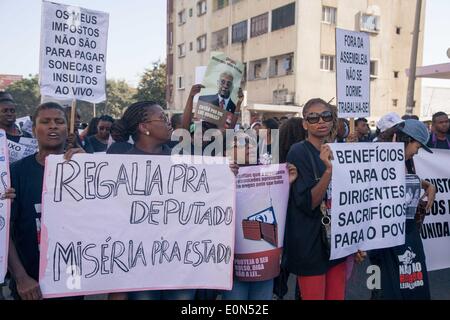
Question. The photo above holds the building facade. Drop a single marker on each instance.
(288, 47)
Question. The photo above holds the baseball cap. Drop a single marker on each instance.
(6, 97)
(416, 130)
(388, 121)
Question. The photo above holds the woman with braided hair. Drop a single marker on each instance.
(150, 129)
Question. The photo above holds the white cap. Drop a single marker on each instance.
(388, 121)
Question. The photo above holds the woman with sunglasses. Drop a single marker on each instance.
(307, 255)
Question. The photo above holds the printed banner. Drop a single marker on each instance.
(436, 228)
(262, 199)
(133, 223)
(19, 151)
(217, 101)
(368, 209)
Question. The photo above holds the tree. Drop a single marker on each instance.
(152, 85)
(119, 96)
(26, 94)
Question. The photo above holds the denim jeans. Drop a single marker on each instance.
(162, 295)
(259, 290)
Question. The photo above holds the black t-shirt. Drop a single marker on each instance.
(166, 151)
(435, 143)
(96, 145)
(27, 177)
(306, 254)
(119, 148)
(16, 139)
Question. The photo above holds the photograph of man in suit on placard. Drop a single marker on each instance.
(223, 97)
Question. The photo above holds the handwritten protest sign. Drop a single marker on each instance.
(368, 197)
(262, 197)
(436, 228)
(4, 207)
(73, 52)
(131, 223)
(19, 151)
(353, 73)
(217, 101)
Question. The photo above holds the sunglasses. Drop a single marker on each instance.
(314, 117)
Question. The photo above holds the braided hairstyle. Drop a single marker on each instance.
(128, 125)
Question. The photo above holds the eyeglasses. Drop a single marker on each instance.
(162, 119)
(314, 117)
(225, 82)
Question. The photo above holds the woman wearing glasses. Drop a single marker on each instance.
(306, 249)
(150, 129)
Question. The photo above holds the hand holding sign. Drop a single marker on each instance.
(326, 156)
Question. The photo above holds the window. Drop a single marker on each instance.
(239, 33)
(180, 82)
(369, 23)
(201, 43)
(190, 12)
(395, 102)
(181, 50)
(220, 4)
(201, 8)
(191, 46)
(327, 63)
(283, 17)
(373, 69)
(281, 65)
(219, 39)
(181, 17)
(329, 15)
(259, 25)
(396, 73)
(258, 69)
(398, 30)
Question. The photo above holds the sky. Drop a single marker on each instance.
(137, 35)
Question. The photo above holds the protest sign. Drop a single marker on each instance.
(25, 124)
(29, 142)
(131, 223)
(4, 207)
(217, 101)
(367, 198)
(436, 228)
(262, 194)
(353, 73)
(73, 52)
(19, 151)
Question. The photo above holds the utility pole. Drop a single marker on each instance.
(413, 62)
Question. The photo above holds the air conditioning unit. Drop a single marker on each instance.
(289, 98)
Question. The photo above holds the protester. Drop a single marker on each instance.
(307, 254)
(343, 130)
(265, 155)
(119, 146)
(99, 141)
(250, 290)
(393, 262)
(27, 176)
(291, 132)
(74, 140)
(8, 118)
(362, 130)
(440, 139)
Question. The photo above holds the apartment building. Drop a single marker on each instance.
(288, 48)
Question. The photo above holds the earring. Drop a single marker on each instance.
(147, 133)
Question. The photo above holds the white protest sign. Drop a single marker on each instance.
(368, 197)
(262, 194)
(73, 52)
(4, 206)
(19, 151)
(128, 223)
(436, 228)
(353, 73)
(30, 142)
